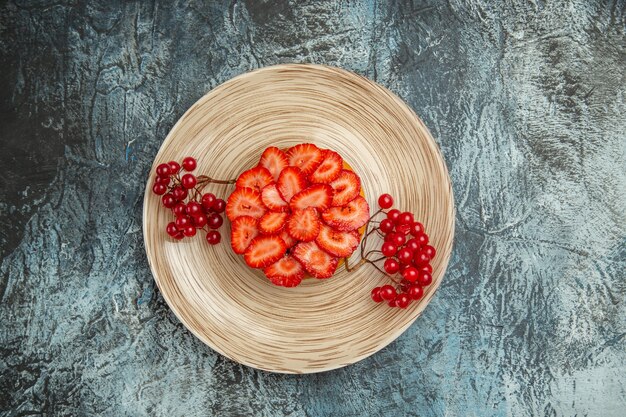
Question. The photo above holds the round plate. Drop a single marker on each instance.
(321, 324)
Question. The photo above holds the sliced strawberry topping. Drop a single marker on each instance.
(244, 202)
(336, 243)
(305, 156)
(290, 182)
(286, 237)
(243, 230)
(272, 222)
(319, 196)
(304, 225)
(255, 178)
(347, 186)
(316, 262)
(349, 217)
(329, 169)
(272, 199)
(274, 160)
(264, 251)
(286, 272)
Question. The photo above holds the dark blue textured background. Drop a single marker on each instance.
(527, 100)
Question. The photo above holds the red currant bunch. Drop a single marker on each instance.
(406, 254)
(181, 192)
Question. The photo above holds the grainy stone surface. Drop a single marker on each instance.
(527, 100)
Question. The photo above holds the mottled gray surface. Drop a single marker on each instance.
(528, 103)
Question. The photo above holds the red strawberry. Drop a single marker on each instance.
(290, 182)
(264, 251)
(305, 156)
(336, 243)
(304, 225)
(286, 272)
(272, 222)
(317, 263)
(244, 202)
(255, 178)
(349, 217)
(319, 196)
(272, 199)
(274, 160)
(329, 169)
(347, 186)
(289, 241)
(243, 230)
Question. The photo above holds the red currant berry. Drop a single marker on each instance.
(200, 220)
(180, 235)
(389, 249)
(410, 274)
(219, 205)
(376, 295)
(393, 215)
(415, 292)
(159, 189)
(426, 268)
(179, 193)
(182, 222)
(213, 237)
(189, 163)
(207, 201)
(162, 180)
(385, 201)
(174, 167)
(402, 300)
(392, 303)
(391, 266)
(193, 208)
(215, 221)
(430, 251)
(168, 200)
(424, 278)
(417, 228)
(387, 292)
(406, 218)
(403, 229)
(413, 245)
(179, 209)
(189, 181)
(171, 229)
(422, 239)
(386, 226)
(398, 239)
(420, 259)
(163, 170)
(189, 231)
(405, 255)
(389, 237)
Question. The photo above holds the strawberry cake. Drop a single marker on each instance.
(297, 213)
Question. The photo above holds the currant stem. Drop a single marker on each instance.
(205, 180)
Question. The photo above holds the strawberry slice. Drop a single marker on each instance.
(304, 225)
(264, 251)
(243, 230)
(286, 237)
(349, 217)
(346, 186)
(317, 263)
(290, 182)
(272, 222)
(244, 202)
(255, 178)
(336, 243)
(286, 272)
(305, 156)
(319, 196)
(272, 199)
(329, 169)
(274, 160)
